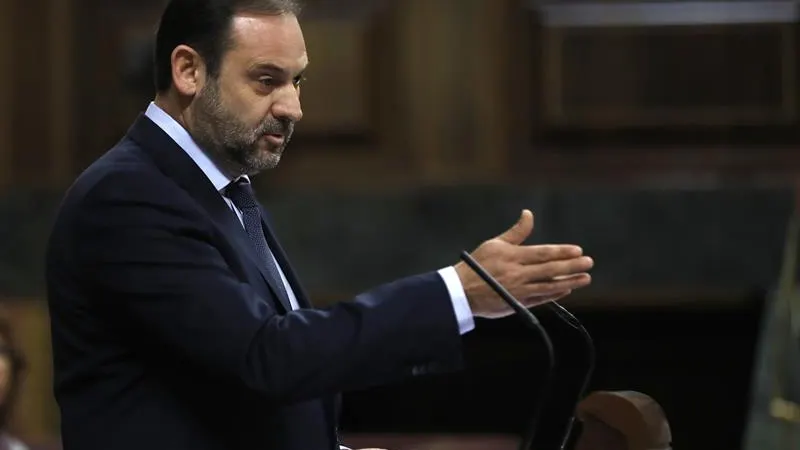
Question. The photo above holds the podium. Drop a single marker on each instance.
(610, 420)
(622, 420)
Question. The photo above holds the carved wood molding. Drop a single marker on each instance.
(649, 13)
(6, 109)
(36, 137)
(624, 77)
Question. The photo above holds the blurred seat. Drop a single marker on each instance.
(622, 420)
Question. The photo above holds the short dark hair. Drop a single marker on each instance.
(204, 25)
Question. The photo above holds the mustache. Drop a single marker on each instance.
(276, 126)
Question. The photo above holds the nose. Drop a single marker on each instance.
(287, 104)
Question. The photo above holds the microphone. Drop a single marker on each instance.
(591, 357)
(531, 322)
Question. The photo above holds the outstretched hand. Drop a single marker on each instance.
(534, 274)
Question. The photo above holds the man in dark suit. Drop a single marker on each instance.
(177, 320)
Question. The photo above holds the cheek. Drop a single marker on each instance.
(248, 105)
(250, 115)
(259, 110)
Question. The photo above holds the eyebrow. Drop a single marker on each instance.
(270, 67)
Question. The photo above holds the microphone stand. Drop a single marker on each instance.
(531, 322)
(591, 357)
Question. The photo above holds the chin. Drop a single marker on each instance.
(265, 161)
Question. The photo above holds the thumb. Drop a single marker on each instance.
(519, 231)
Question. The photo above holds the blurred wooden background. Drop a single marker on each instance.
(437, 91)
(408, 93)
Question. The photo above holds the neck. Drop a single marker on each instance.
(177, 108)
(171, 106)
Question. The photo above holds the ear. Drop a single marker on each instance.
(188, 70)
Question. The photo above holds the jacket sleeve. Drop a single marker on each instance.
(155, 271)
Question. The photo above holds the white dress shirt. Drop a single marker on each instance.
(179, 134)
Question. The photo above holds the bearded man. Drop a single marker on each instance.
(178, 321)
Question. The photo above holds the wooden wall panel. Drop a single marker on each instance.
(494, 67)
(451, 91)
(451, 65)
(7, 31)
(429, 35)
(438, 86)
(60, 102)
(675, 106)
(334, 94)
(415, 92)
(346, 135)
(35, 98)
(31, 128)
(107, 100)
(665, 76)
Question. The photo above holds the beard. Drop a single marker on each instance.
(240, 147)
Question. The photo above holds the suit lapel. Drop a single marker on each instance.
(331, 403)
(176, 164)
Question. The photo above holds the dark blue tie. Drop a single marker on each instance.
(241, 193)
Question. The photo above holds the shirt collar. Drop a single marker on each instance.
(185, 142)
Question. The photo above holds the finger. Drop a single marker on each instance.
(534, 254)
(519, 231)
(555, 287)
(556, 269)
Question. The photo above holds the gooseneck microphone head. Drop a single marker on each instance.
(531, 322)
(591, 357)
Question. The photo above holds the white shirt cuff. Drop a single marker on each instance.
(342, 447)
(460, 304)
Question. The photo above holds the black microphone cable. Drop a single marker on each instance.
(591, 357)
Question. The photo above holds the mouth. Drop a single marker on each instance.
(275, 139)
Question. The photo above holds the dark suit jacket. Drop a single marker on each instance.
(166, 334)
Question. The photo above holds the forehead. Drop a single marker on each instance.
(268, 39)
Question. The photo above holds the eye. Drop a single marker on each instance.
(298, 80)
(267, 81)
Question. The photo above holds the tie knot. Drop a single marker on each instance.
(241, 193)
